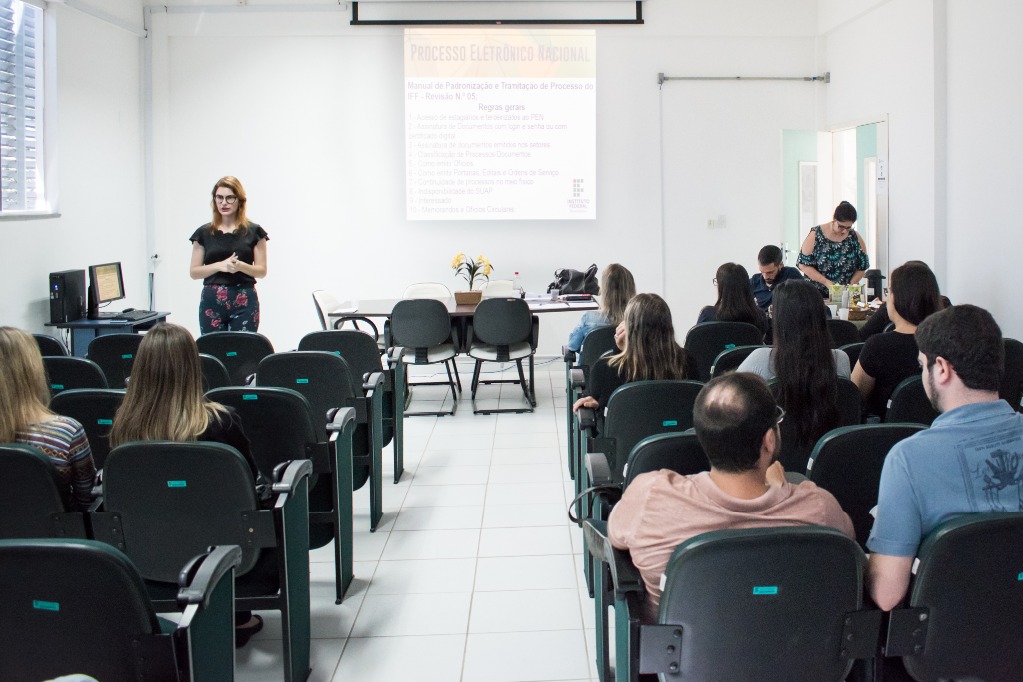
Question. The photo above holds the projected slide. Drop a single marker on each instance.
(500, 124)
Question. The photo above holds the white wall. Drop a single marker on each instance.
(99, 155)
(307, 111)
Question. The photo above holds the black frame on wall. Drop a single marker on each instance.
(356, 21)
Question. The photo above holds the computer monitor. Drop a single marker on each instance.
(106, 284)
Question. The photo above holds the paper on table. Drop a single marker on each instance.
(343, 311)
(579, 304)
(550, 304)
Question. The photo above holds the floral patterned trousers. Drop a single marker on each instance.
(228, 308)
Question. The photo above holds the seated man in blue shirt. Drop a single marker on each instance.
(772, 273)
(961, 463)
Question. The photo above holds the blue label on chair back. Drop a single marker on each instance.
(336, 352)
(765, 589)
(729, 346)
(250, 396)
(231, 353)
(45, 605)
(105, 422)
(1019, 577)
(126, 356)
(177, 484)
(669, 422)
(301, 381)
(57, 387)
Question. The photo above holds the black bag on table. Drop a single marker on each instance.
(569, 281)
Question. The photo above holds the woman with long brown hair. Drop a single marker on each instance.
(735, 299)
(25, 417)
(649, 350)
(228, 255)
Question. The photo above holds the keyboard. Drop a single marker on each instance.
(133, 315)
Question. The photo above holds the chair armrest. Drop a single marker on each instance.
(598, 470)
(201, 574)
(535, 339)
(569, 355)
(625, 576)
(587, 421)
(577, 377)
(394, 355)
(286, 480)
(595, 535)
(342, 416)
(373, 382)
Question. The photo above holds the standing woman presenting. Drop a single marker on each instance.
(228, 255)
(834, 253)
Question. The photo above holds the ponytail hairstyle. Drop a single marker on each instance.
(804, 366)
(618, 289)
(845, 213)
(651, 351)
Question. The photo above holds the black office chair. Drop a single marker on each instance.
(94, 409)
(281, 427)
(50, 345)
(707, 339)
(79, 606)
(965, 609)
(909, 404)
(678, 452)
(165, 501)
(1011, 388)
(843, 332)
(423, 328)
(503, 330)
(847, 463)
(66, 373)
(115, 354)
(755, 604)
(729, 360)
(33, 504)
(853, 351)
(363, 358)
(239, 351)
(597, 341)
(214, 373)
(328, 384)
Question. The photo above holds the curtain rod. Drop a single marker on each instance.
(824, 78)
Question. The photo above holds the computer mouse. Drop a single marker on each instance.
(128, 310)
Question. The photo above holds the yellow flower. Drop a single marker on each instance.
(487, 269)
(457, 260)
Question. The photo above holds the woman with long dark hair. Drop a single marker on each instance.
(887, 359)
(803, 366)
(648, 351)
(735, 299)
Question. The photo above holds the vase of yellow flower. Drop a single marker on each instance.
(474, 271)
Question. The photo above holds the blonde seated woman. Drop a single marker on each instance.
(164, 401)
(617, 289)
(25, 418)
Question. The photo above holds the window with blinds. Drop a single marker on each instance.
(21, 99)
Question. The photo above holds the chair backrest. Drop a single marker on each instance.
(502, 321)
(842, 332)
(239, 351)
(969, 583)
(909, 403)
(679, 452)
(597, 342)
(115, 354)
(94, 409)
(498, 288)
(729, 360)
(214, 373)
(420, 323)
(847, 463)
(645, 408)
(50, 345)
(358, 349)
(175, 499)
(325, 303)
(88, 597)
(787, 590)
(434, 290)
(1012, 379)
(31, 494)
(66, 373)
(278, 422)
(707, 339)
(853, 351)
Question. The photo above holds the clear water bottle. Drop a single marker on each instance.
(517, 286)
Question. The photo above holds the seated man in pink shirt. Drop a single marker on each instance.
(736, 420)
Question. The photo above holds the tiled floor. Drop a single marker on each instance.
(473, 574)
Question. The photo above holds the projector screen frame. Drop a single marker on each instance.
(356, 21)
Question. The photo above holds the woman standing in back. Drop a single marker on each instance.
(25, 417)
(834, 253)
(228, 255)
(617, 289)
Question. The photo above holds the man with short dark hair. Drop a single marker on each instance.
(772, 273)
(736, 420)
(969, 460)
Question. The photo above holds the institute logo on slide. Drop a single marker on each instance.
(577, 202)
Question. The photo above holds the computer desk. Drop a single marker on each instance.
(84, 331)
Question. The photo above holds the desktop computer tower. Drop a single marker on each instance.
(67, 296)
